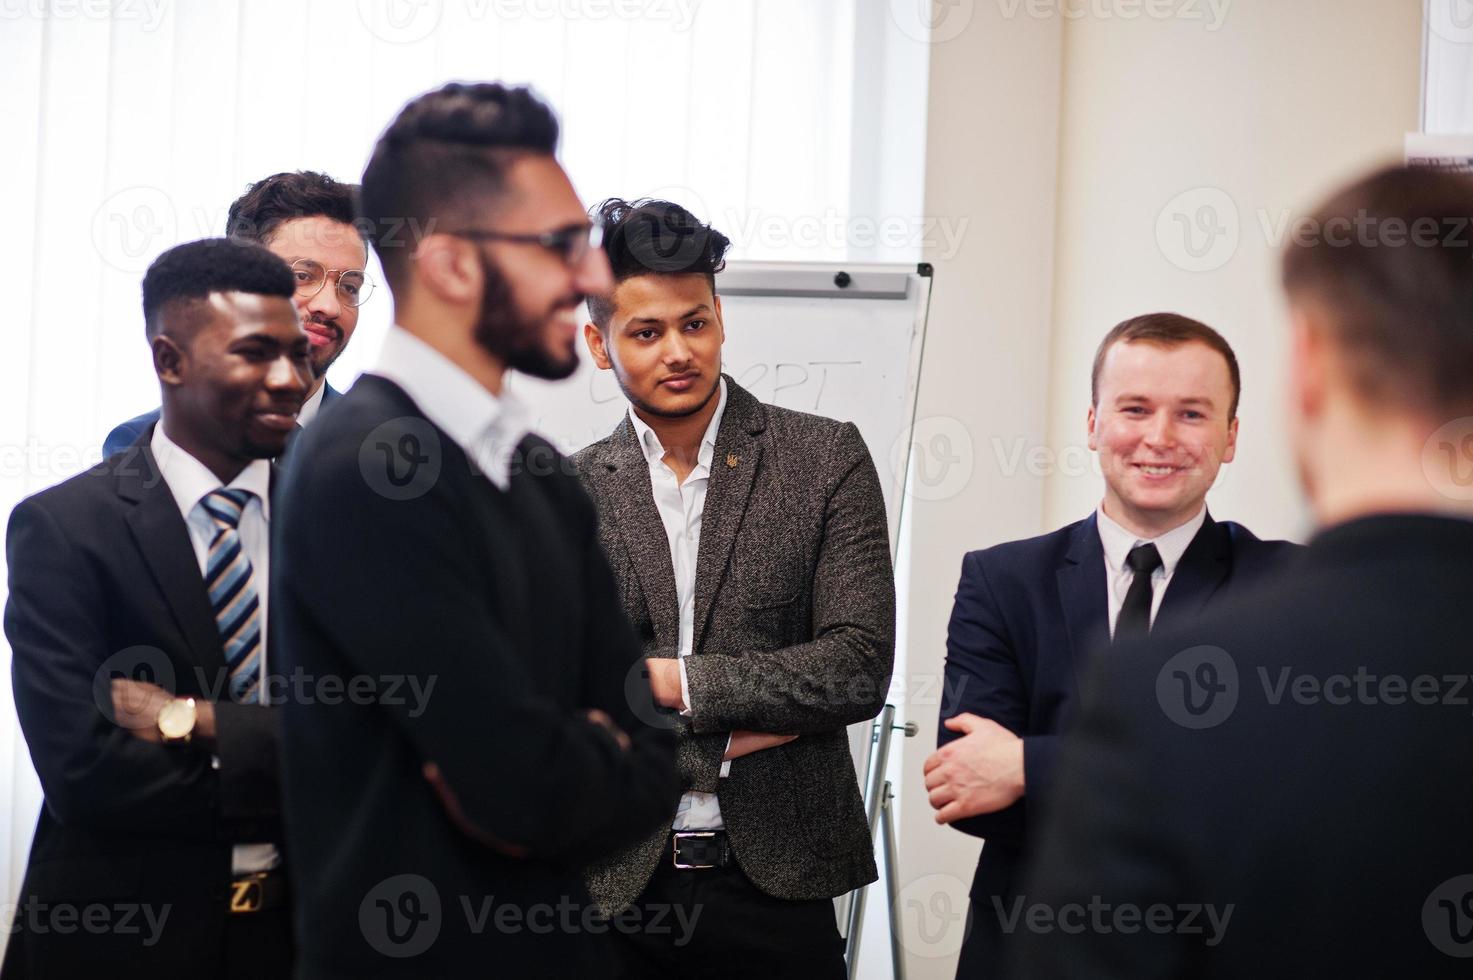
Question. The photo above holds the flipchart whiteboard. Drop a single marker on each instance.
(843, 341)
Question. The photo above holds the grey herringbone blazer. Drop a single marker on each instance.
(794, 633)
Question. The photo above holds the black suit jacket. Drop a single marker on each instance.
(104, 582)
(400, 565)
(1332, 815)
(1029, 617)
(125, 434)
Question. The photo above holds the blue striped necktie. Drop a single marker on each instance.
(230, 580)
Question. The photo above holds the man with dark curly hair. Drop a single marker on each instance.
(751, 548)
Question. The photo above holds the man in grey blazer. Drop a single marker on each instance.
(751, 550)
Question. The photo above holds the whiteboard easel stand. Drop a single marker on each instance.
(881, 815)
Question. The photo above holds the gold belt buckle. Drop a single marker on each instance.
(247, 893)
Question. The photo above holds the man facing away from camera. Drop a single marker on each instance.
(751, 550)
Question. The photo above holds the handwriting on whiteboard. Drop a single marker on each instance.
(798, 385)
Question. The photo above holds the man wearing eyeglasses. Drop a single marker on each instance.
(307, 219)
(465, 562)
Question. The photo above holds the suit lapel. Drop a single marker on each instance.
(627, 478)
(1202, 568)
(726, 496)
(1082, 593)
(163, 538)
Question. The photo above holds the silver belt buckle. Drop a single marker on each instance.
(675, 849)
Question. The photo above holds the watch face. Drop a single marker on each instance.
(176, 718)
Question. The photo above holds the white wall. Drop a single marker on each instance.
(1062, 142)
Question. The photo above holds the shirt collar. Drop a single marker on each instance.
(189, 480)
(450, 397)
(1117, 541)
(654, 452)
(310, 407)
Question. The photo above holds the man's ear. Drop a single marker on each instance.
(170, 362)
(1231, 449)
(1308, 364)
(720, 319)
(597, 348)
(448, 270)
(1089, 428)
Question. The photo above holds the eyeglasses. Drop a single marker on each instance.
(353, 285)
(572, 244)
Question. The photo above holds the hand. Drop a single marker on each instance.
(457, 816)
(981, 772)
(136, 707)
(745, 743)
(665, 682)
(604, 721)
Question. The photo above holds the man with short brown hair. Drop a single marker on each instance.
(1293, 771)
(1030, 615)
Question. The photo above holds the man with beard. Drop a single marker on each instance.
(750, 545)
(307, 219)
(472, 727)
(162, 818)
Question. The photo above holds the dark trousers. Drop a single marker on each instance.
(714, 923)
(259, 945)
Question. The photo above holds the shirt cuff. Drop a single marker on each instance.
(684, 690)
(726, 763)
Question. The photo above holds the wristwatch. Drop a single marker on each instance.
(176, 720)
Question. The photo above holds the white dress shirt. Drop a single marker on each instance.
(680, 506)
(1118, 541)
(487, 427)
(311, 406)
(190, 481)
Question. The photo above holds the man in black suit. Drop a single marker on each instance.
(443, 832)
(307, 219)
(1030, 615)
(1284, 786)
(751, 549)
(137, 616)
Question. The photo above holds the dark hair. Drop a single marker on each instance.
(1166, 330)
(274, 200)
(211, 265)
(660, 237)
(1398, 293)
(447, 149)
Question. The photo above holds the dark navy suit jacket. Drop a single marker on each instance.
(1028, 617)
(124, 434)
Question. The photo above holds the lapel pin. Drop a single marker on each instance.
(732, 459)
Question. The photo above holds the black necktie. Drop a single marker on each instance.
(1135, 612)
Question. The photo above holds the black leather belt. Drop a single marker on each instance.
(695, 850)
(259, 892)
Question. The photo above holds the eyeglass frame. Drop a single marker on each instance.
(337, 282)
(593, 232)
